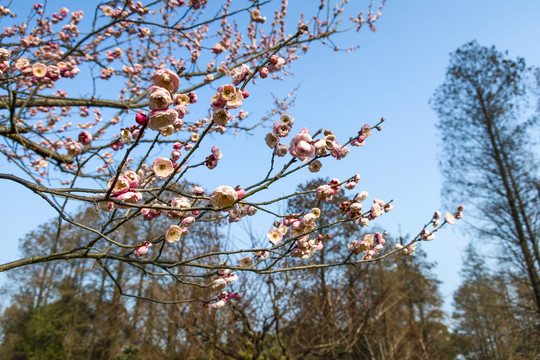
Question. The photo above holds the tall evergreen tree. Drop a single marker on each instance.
(487, 159)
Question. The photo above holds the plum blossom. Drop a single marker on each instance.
(375, 211)
(324, 193)
(301, 146)
(449, 218)
(4, 54)
(350, 185)
(131, 197)
(159, 98)
(190, 220)
(142, 249)
(427, 236)
(219, 284)
(173, 234)
(223, 196)
(240, 73)
(197, 190)
(361, 196)
(409, 250)
(287, 119)
(315, 166)
(149, 213)
(274, 236)
(74, 148)
(271, 140)
(281, 130)
(221, 116)
(180, 202)
(281, 150)
(120, 186)
(162, 167)
(39, 70)
(166, 79)
(245, 262)
(305, 247)
(227, 95)
(161, 118)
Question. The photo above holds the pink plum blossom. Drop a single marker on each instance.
(219, 284)
(85, 137)
(375, 211)
(240, 73)
(301, 146)
(197, 190)
(350, 185)
(180, 202)
(223, 196)
(324, 193)
(167, 79)
(159, 98)
(274, 236)
(287, 119)
(39, 70)
(281, 130)
(141, 118)
(131, 197)
(74, 148)
(161, 118)
(121, 185)
(162, 167)
(142, 249)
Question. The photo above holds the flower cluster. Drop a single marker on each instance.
(142, 249)
(363, 134)
(370, 245)
(327, 192)
(407, 250)
(298, 225)
(212, 160)
(227, 96)
(281, 129)
(238, 211)
(276, 64)
(225, 277)
(328, 143)
(124, 189)
(305, 247)
(161, 95)
(75, 147)
(222, 299)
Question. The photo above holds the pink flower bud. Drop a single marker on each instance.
(241, 192)
(141, 118)
(85, 137)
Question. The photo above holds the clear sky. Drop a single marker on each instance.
(393, 74)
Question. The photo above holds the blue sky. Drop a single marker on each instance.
(392, 74)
